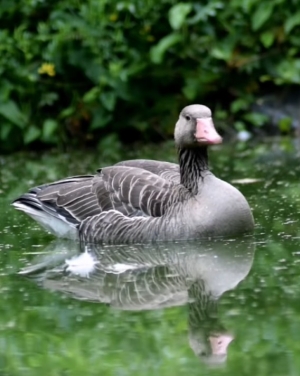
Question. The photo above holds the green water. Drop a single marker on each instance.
(159, 315)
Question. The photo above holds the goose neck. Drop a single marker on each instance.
(193, 163)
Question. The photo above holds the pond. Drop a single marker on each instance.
(187, 308)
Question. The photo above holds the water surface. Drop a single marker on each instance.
(211, 308)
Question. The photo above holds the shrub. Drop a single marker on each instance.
(73, 72)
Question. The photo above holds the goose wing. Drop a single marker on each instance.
(72, 197)
(132, 191)
(166, 170)
(136, 190)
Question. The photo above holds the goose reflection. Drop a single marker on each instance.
(149, 277)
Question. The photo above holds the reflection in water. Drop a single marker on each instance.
(144, 277)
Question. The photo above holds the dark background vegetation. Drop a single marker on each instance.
(75, 72)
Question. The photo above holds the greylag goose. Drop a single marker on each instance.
(152, 276)
(146, 200)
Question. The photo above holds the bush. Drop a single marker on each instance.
(73, 72)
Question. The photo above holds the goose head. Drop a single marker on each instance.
(195, 128)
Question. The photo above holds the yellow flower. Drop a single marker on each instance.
(47, 68)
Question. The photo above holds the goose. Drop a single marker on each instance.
(138, 201)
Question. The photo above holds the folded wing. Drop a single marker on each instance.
(134, 191)
(133, 188)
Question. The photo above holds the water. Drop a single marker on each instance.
(164, 309)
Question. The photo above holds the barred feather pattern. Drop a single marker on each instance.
(145, 197)
(113, 226)
(121, 203)
(138, 191)
(204, 306)
(166, 170)
(129, 190)
(192, 162)
(73, 195)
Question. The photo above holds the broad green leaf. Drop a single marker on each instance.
(247, 4)
(108, 100)
(100, 119)
(223, 51)
(178, 13)
(5, 130)
(67, 112)
(5, 89)
(157, 52)
(291, 22)
(31, 134)
(267, 38)
(288, 71)
(48, 99)
(115, 68)
(262, 14)
(191, 88)
(11, 112)
(256, 118)
(240, 104)
(91, 95)
(49, 128)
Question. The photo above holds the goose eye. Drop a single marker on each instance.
(188, 118)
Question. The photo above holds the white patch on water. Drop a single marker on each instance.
(121, 268)
(82, 265)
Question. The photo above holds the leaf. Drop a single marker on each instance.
(262, 14)
(291, 22)
(239, 104)
(11, 112)
(267, 38)
(67, 112)
(5, 130)
(91, 95)
(108, 100)
(190, 89)
(157, 52)
(100, 119)
(247, 4)
(49, 128)
(288, 71)
(178, 13)
(48, 99)
(32, 134)
(257, 119)
(224, 50)
(5, 89)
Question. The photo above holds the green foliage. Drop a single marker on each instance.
(75, 71)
